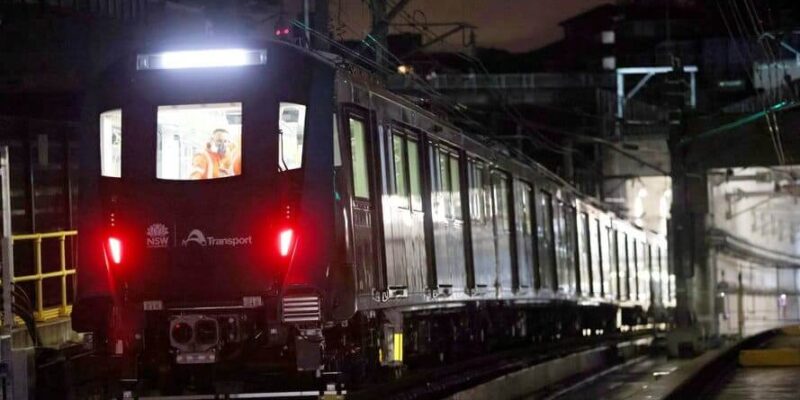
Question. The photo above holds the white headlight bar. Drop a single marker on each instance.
(201, 59)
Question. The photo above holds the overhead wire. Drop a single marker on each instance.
(510, 110)
(770, 97)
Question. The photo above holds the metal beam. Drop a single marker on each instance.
(648, 73)
(639, 86)
(657, 70)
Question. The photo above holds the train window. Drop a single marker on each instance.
(476, 199)
(594, 257)
(643, 271)
(622, 262)
(500, 184)
(111, 143)
(400, 188)
(569, 236)
(414, 176)
(358, 150)
(199, 141)
(455, 186)
(584, 254)
(291, 125)
(337, 152)
(444, 183)
(613, 263)
(525, 194)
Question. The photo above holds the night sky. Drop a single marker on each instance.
(515, 25)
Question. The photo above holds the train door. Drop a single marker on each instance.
(483, 245)
(406, 267)
(448, 225)
(547, 251)
(565, 235)
(525, 240)
(503, 234)
(366, 233)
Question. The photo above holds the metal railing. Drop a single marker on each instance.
(41, 312)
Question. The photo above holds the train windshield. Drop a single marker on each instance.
(111, 143)
(199, 141)
(292, 125)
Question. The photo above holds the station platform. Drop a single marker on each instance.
(769, 372)
(763, 366)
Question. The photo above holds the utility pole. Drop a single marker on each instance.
(687, 224)
(321, 24)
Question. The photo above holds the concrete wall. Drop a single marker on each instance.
(769, 295)
(754, 231)
(745, 204)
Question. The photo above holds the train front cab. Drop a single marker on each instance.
(208, 215)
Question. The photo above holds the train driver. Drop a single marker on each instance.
(219, 160)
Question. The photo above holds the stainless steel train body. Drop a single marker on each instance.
(356, 226)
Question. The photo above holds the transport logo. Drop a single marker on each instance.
(198, 237)
(157, 236)
(195, 236)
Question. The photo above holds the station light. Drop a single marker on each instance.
(212, 58)
(285, 239)
(115, 249)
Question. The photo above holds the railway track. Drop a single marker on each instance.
(442, 381)
(83, 375)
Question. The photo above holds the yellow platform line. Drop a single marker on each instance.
(793, 330)
(785, 357)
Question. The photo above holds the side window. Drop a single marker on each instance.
(444, 183)
(291, 126)
(111, 143)
(358, 151)
(613, 261)
(525, 194)
(584, 253)
(476, 199)
(199, 141)
(501, 200)
(399, 158)
(337, 152)
(595, 255)
(455, 186)
(622, 260)
(547, 240)
(414, 176)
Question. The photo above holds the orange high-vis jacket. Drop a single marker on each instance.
(208, 165)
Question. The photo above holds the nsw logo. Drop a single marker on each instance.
(157, 236)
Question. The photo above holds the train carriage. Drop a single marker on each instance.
(270, 204)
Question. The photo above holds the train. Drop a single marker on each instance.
(268, 205)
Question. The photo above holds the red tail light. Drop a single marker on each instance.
(285, 239)
(115, 249)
